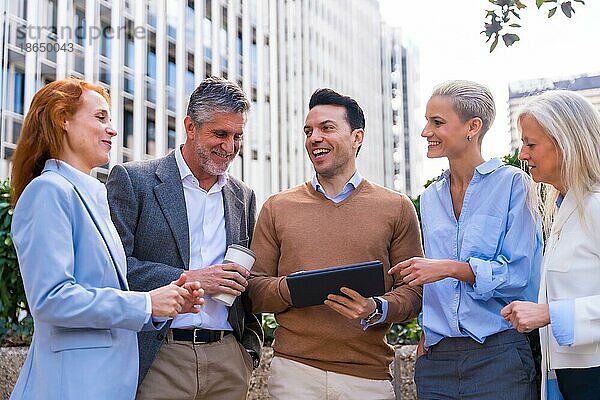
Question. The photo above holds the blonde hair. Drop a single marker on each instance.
(470, 100)
(573, 123)
(42, 134)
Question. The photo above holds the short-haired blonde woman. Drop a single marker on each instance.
(561, 144)
(71, 258)
(483, 247)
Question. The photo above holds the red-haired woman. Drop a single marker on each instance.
(70, 255)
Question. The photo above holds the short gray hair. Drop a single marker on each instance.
(216, 95)
(470, 100)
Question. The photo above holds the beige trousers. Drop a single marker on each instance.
(184, 371)
(292, 380)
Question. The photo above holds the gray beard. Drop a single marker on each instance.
(208, 165)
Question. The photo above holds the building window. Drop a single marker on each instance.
(51, 17)
(19, 99)
(207, 34)
(129, 47)
(105, 40)
(253, 58)
(223, 38)
(128, 129)
(79, 26)
(150, 137)
(151, 7)
(171, 134)
(151, 66)
(171, 73)
(190, 28)
(189, 81)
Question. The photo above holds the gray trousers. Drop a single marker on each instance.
(460, 368)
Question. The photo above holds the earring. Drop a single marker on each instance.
(469, 138)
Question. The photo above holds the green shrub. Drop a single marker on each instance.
(401, 334)
(269, 324)
(16, 325)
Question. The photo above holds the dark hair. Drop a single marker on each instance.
(213, 95)
(354, 114)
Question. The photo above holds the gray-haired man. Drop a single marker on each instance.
(180, 212)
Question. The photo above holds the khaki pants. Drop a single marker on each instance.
(211, 371)
(293, 380)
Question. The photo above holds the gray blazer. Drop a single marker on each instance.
(148, 209)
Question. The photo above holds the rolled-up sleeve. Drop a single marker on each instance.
(518, 256)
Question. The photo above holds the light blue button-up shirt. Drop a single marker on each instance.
(497, 235)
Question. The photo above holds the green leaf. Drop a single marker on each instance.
(580, 1)
(510, 38)
(539, 3)
(519, 4)
(494, 43)
(515, 25)
(551, 12)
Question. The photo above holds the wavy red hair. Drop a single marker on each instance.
(43, 130)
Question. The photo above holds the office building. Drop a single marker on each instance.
(151, 54)
(587, 86)
(403, 155)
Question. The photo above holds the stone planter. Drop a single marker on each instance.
(12, 358)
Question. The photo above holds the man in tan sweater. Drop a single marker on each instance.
(338, 349)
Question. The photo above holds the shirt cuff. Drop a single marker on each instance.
(485, 281)
(562, 321)
(148, 308)
(384, 304)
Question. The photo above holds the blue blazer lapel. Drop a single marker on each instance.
(169, 195)
(104, 231)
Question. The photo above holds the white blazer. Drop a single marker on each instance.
(85, 341)
(571, 270)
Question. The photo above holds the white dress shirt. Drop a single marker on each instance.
(206, 221)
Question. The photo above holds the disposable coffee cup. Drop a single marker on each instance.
(239, 255)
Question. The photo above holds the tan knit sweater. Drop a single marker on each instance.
(300, 229)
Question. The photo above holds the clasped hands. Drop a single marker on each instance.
(178, 297)
(184, 294)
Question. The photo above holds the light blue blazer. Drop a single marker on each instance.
(85, 342)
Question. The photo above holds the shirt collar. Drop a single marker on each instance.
(482, 169)
(185, 171)
(354, 181)
(81, 180)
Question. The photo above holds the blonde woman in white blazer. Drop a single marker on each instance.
(561, 144)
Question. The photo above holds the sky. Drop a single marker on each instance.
(450, 46)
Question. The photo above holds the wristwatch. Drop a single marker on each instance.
(377, 313)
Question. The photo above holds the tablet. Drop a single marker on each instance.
(310, 288)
